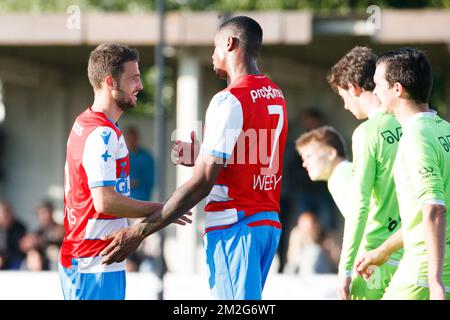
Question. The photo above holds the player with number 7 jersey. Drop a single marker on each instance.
(246, 125)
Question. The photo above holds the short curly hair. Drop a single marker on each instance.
(107, 60)
(356, 67)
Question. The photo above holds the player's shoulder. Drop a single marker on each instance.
(91, 120)
(103, 135)
(364, 130)
(223, 99)
(388, 119)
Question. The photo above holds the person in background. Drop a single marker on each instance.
(11, 231)
(298, 192)
(49, 236)
(142, 167)
(306, 256)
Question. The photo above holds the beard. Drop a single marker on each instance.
(124, 100)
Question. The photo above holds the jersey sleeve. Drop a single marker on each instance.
(423, 168)
(361, 186)
(338, 185)
(99, 157)
(223, 125)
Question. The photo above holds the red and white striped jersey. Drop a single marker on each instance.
(96, 156)
(246, 125)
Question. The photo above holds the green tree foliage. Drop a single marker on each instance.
(146, 98)
(220, 5)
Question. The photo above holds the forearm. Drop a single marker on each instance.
(434, 220)
(393, 243)
(116, 204)
(181, 201)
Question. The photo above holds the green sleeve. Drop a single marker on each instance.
(423, 167)
(364, 171)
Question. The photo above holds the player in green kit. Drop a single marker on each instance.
(403, 80)
(372, 215)
(324, 157)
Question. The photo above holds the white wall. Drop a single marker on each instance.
(145, 286)
(34, 146)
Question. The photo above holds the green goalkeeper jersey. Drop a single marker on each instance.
(422, 175)
(372, 214)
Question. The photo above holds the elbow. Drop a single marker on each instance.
(435, 213)
(100, 205)
(203, 187)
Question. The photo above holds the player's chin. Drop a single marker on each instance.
(313, 176)
(132, 103)
(220, 73)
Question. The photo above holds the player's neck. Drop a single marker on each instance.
(370, 102)
(238, 70)
(334, 164)
(105, 104)
(408, 108)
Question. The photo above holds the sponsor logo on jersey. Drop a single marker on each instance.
(427, 172)
(391, 137)
(105, 136)
(122, 186)
(445, 142)
(266, 93)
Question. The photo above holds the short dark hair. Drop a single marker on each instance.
(325, 135)
(411, 68)
(248, 31)
(107, 60)
(356, 67)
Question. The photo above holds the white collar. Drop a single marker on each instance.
(417, 116)
(337, 169)
(375, 112)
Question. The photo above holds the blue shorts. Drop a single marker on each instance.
(239, 257)
(91, 286)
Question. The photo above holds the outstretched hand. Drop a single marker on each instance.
(183, 220)
(124, 242)
(185, 153)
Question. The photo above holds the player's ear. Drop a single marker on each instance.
(354, 90)
(399, 89)
(110, 82)
(232, 43)
(333, 154)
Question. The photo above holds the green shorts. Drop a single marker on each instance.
(410, 282)
(374, 288)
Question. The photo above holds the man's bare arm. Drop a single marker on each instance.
(107, 200)
(379, 255)
(187, 196)
(435, 225)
